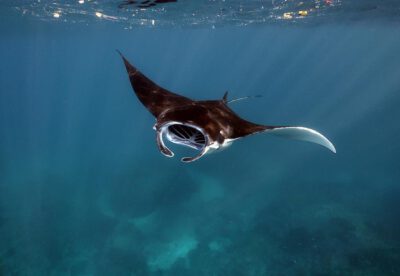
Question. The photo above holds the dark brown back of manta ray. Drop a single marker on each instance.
(215, 117)
(155, 98)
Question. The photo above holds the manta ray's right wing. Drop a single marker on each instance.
(155, 98)
(303, 134)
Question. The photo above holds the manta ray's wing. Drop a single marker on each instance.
(244, 128)
(155, 98)
(303, 134)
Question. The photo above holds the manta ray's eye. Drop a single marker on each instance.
(187, 136)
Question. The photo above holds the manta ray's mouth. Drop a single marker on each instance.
(186, 135)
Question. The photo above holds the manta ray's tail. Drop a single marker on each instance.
(303, 134)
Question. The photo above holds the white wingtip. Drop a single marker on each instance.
(303, 134)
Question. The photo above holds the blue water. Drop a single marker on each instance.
(85, 191)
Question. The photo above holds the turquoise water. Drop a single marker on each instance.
(85, 191)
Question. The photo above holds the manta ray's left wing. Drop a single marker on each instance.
(303, 134)
(155, 98)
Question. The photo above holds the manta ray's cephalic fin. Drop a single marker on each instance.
(191, 159)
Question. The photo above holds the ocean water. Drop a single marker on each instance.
(84, 189)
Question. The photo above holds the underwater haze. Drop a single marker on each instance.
(84, 189)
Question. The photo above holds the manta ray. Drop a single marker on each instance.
(205, 126)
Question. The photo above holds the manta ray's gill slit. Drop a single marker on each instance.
(186, 131)
(186, 136)
(173, 129)
(182, 131)
(199, 138)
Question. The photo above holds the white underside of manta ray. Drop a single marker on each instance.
(205, 126)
